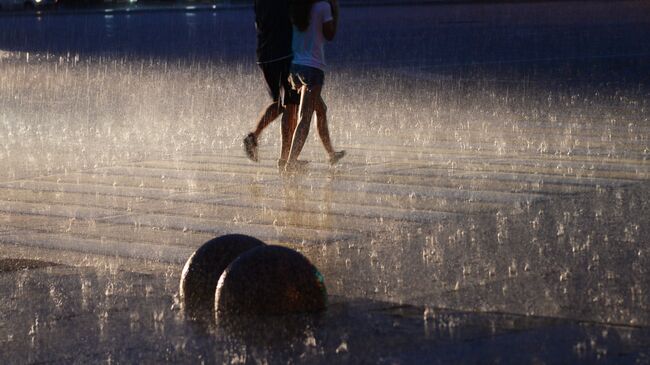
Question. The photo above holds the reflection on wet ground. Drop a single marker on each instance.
(391, 231)
(518, 186)
(62, 314)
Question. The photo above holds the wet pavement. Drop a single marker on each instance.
(485, 212)
(62, 314)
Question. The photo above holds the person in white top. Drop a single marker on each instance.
(314, 23)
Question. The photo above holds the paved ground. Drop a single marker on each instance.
(375, 233)
(507, 185)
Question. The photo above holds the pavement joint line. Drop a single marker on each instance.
(276, 183)
(172, 211)
(175, 254)
(477, 283)
(360, 205)
(405, 211)
(541, 317)
(201, 225)
(119, 220)
(464, 174)
(53, 174)
(20, 230)
(563, 318)
(116, 216)
(522, 159)
(193, 193)
(461, 172)
(551, 180)
(526, 130)
(48, 212)
(252, 173)
(218, 172)
(488, 148)
(25, 185)
(436, 155)
(523, 167)
(586, 181)
(187, 193)
(49, 204)
(232, 198)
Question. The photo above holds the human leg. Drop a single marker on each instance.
(308, 95)
(321, 123)
(289, 121)
(323, 131)
(269, 114)
(273, 73)
(289, 116)
(309, 81)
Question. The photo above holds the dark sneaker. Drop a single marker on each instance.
(336, 157)
(250, 147)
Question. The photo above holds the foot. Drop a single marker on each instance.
(336, 156)
(282, 163)
(297, 165)
(250, 147)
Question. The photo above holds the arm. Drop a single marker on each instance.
(329, 28)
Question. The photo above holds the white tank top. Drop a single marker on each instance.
(308, 45)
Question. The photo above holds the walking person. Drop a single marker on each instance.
(274, 54)
(314, 22)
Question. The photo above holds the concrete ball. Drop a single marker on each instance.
(202, 270)
(270, 280)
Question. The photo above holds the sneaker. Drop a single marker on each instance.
(250, 147)
(336, 157)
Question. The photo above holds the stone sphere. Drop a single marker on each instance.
(203, 269)
(270, 280)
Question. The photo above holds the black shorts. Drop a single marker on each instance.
(305, 75)
(276, 75)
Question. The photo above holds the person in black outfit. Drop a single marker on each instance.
(274, 55)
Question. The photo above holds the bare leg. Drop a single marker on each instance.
(321, 124)
(268, 115)
(324, 133)
(289, 121)
(308, 96)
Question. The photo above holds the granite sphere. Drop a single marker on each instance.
(202, 270)
(270, 280)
